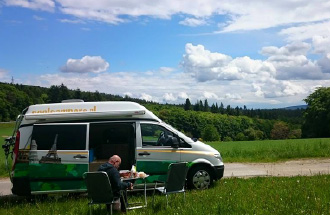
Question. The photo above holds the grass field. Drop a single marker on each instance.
(272, 195)
(277, 195)
(273, 150)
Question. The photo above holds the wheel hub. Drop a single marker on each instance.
(201, 179)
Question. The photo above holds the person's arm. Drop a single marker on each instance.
(120, 185)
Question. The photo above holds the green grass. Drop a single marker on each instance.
(273, 195)
(273, 150)
(6, 129)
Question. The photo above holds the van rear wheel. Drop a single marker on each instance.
(199, 177)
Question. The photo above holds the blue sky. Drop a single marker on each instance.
(256, 53)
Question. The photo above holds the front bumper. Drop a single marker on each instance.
(219, 170)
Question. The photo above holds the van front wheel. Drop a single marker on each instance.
(199, 177)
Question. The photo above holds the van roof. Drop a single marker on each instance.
(87, 110)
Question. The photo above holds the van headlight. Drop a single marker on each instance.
(218, 156)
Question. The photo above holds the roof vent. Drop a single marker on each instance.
(72, 100)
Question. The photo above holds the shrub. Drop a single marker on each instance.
(227, 139)
(240, 137)
(280, 131)
(210, 133)
(295, 134)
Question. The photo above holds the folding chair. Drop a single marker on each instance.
(175, 182)
(99, 189)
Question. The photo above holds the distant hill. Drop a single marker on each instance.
(296, 107)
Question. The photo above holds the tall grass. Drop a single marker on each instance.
(273, 150)
(6, 129)
(274, 195)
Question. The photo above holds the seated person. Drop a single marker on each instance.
(111, 168)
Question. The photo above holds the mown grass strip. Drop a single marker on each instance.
(273, 195)
(273, 150)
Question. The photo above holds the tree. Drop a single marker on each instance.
(210, 133)
(206, 106)
(187, 105)
(280, 131)
(221, 109)
(317, 114)
(295, 134)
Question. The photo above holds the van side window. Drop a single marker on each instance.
(155, 135)
(62, 137)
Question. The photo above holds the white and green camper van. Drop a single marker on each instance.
(55, 144)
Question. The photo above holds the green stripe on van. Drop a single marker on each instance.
(49, 176)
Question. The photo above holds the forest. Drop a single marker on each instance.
(199, 120)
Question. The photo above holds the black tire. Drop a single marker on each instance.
(199, 177)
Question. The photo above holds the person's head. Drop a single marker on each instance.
(115, 160)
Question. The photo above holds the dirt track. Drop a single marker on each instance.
(290, 168)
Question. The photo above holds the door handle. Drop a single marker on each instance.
(79, 156)
(144, 153)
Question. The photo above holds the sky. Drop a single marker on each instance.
(262, 54)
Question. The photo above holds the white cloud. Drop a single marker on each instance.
(45, 5)
(193, 22)
(3, 73)
(129, 94)
(146, 97)
(166, 70)
(153, 88)
(271, 78)
(205, 65)
(240, 15)
(306, 31)
(324, 63)
(38, 18)
(183, 95)
(291, 61)
(321, 44)
(258, 14)
(210, 95)
(297, 48)
(72, 21)
(233, 96)
(87, 64)
(169, 97)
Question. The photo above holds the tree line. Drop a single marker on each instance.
(294, 116)
(210, 122)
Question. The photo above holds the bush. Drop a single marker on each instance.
(295, 134)
(240, 137)
(210, 133)
(227, 139)
(280, 131)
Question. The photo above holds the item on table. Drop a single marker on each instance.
(125, 174)
(142, 175)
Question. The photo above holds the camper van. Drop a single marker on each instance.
(55, 144)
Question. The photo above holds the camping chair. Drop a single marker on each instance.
(99, 189)
(175, 182)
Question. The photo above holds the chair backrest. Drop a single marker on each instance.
(98, 187)
(176, 177)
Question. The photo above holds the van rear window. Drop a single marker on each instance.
(62, 137)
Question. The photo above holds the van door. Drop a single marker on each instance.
(112, 138)
(58, 157)
(155, 154)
